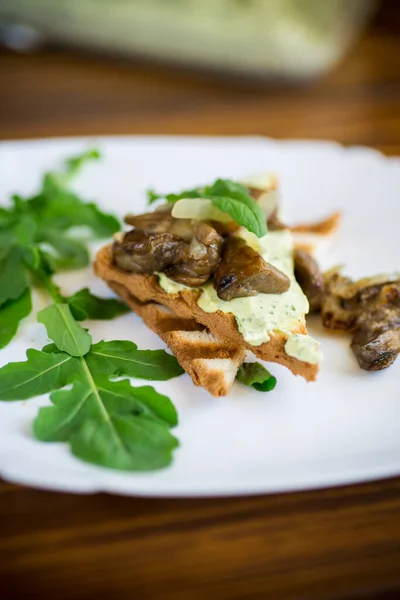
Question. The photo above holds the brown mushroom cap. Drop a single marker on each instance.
(188, 252)
(161, 221)
(376, 349)
(243, 272)
(309, 277)
(140, 252)
(194, 263)
(370, 309)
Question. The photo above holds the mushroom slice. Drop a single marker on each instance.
(194, 263)
(153, 222)
(309, 277)
(243, 272)
(363, 290)
(162, 221)
(376, 349)
(140, 252)
(187, 260)
(370, 309)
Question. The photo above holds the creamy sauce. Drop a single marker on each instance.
(304, 348)
(170, 286)
(257, 316)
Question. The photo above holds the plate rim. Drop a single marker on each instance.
(230, 489)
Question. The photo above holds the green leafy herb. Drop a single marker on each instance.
(6, 217)
(123, 358)
(106, 422)
(58, 182)
(74, 164)
(65, 210)
(11, 313)
(128, 443)
(72, 407)
(25, 230)
(152, 196)
(230, 197)
(63, 252)
(41, 373)
(64, 330)
(13, 275)
(122, 398)
(85, 305)
(234, 199)
(257, 376)
(37, 235)
(195, 193)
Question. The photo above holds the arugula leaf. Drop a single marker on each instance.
(11, 313)
(125, 443)
(62, 328)
(25, 230)
(41, 373)
(30, 256)
(7, 237)
(257, 376)
(43, 219)
(19, 204)
(152, 196)
(108, 423)
(6, 217)
(74, 164)
(72, 407)
(66, 210)
(19, 235)
(194, 193)
(118, 358)
(56, 207)
(69, 253)
(121, 398)
(85, 305)
(13, 275)
(55, 182)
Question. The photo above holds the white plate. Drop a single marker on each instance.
(343, 428)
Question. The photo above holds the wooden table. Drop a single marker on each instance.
(340, 543)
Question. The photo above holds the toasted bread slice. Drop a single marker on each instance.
(210, 363)
(142, 293)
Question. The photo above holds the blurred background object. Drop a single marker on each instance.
(52, 89)
(291, 39)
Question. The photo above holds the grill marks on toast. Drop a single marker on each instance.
(210, 363)
(164, 313)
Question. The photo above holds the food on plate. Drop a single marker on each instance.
(243, 272)
(187, 253)
(204, 273)
(310, 278)
(213, 270)
(218, 273)
(369, 309)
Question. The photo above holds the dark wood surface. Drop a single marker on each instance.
(340, 543)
